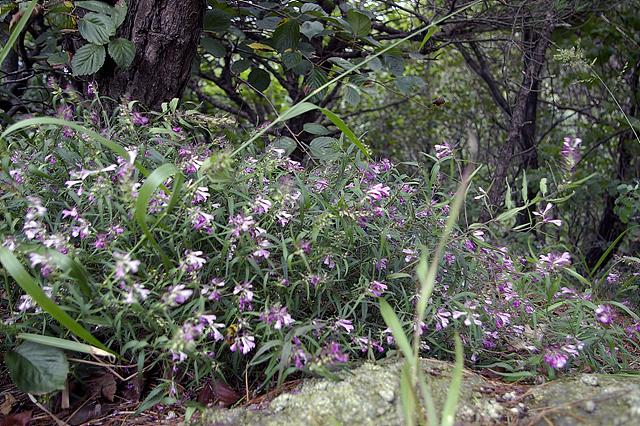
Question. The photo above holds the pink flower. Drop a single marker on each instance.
(377, 192)
(243, 342)
(544, 215)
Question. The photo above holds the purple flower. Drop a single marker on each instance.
(314, 280)
(243, 342)
(410, 255)
(345, 324)
(554, 261)
(571, 152)
(305, 246)
(16, 175)
(329, 262)
(201, 195)
(605, 314)
(246, 295)
(101, 241)
(544, 215)
(332, 353)
(377, 288)
(442, 319)
(443, 151)
(136, 294)
(192, 261)
(381, 264)
(177, 295)
(201, 220)
(44, 261)
(124, 265)
(320, 185)
(377, 192)
(613, 278)
(283, 217)
(81, 228)
(212, 290)
(241, 224)
(556, 359)
(261, 206)
(139, 119)
(278, 316)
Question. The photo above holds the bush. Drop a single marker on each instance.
(202, 264)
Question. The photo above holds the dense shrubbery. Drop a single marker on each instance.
(202, 264)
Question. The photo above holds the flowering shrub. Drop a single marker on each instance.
(204, 264)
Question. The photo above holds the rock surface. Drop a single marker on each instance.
(369, 395)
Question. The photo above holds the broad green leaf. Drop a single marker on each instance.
(316, 129)
(393, 323)
(95, 6)
(214, 47)
(69, 345)
(259, 79)
(325, 148)
(217, 20)
(453, 394)
(119, 13)
(346, 130)
(36, 368)
(360, 23)
(239, 66)
(17, 30)
(285, 143)
(434, 29)
(88, 59)
(29, 285)
(96, 28)
(311, 28)
(291, 59)
(286, 36)
(122, 51)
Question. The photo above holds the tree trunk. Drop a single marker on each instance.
(519, 132)
(166, 34)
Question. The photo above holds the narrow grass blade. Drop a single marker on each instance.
(407, 395)
(73, 269)
(68, 345)
(425, 389)
(29, 285)
(39, 121)
(17, 30)
(609, 249)
(340, 124)
(151, 184)
(428, 35)
(453, 394)
(393, 323)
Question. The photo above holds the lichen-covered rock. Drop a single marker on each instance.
(369, 395)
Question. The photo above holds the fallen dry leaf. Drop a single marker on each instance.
(20, 419)
(7, 404)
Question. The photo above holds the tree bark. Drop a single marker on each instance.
(166, 34)
(522, 128)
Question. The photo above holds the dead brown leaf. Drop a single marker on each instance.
(20, 419)
(7, 404)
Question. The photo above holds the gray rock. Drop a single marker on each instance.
(369, 395)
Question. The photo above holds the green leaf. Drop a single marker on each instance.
(525, 187)
(286, 36)
(69, 345)
(239, 66)
(151, 184)
(285, 143)
(451, 403)
(298, 109)
(96, 28)
(217, 20)
(325, 148)
(36, 368)
(393, 323)
(119, 13)
(346, 130)
(408, 395)
(316, 129)
(432, 30)
(17, 30)
(311, 28)
(122, 51)
(95, 6)
(58, 58)
(360, 23)
(213, 47)
(259, 79)
(88, 59)
(29, 285)
(543, 186)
